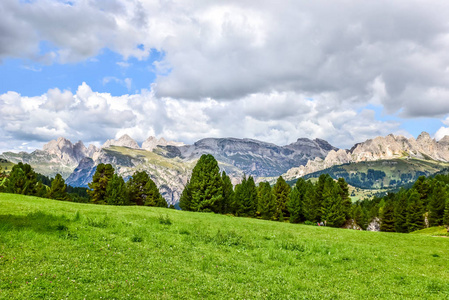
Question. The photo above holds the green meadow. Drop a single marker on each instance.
(61, 250)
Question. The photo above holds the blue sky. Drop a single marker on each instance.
(186, 70)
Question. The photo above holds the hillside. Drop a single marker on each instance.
(51, 249)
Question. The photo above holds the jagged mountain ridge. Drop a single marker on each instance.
(379, 148)
(169, 163)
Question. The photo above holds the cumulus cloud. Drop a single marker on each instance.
(94, 117)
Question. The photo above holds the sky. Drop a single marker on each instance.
(341, 70)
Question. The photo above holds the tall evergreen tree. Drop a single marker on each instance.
(266, 201)
(345, 199)
(446, 213)
(281, 192)
(422, 186)
(228, 194)
(310, 205)
(245, 198)
(295, 202)
(116, 191)
(415, 212)
(357, 214)
(400, 212)
(103, 174)
(21, 180)
(186, 198)
(332, 210)
(437, 204)
(206, 185)
(143, 191)
(387, 217)
(58, 189)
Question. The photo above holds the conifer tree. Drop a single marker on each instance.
(206, 185)
(116, 191)
(415, 212)
(387, 217)
(103, 174)
(186, 198)
(143, 191)
(239, 196)
(332, 210)
(357, 214)
(345, 199)
(295, 202)
(422, 186)
(400, 212)
(266, 201)
(228, 194)
(446, 213)
(21, 180)
(58, 189)
(310, 205)
(437, 204)
(281, 191)
(245, 198)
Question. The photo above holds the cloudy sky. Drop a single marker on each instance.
(340, 70)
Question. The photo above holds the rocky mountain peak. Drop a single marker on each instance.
(424, 137)
(152, 142)
(124, 141)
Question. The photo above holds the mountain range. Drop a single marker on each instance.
(170, 163)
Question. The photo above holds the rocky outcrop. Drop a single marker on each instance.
(151, 143)
(123, 141)
(379, 148)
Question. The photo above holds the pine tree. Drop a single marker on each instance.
(357, 214)
(21, 180)
(332, 210)
(345, 199)
(446, 213)
(415, 212)
(400, 212)
(206, 185)
(422, 186)
(186, 198)
(116, 191)
(266, 201)
(58, 189)
(437, 204)
(387, 217)
(310, 207)
(245, 198)
(295, 202)
(228, 194)
(103, 174)
(143, 191)
(281, 191)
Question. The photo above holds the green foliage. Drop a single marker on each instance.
(266, 201)
(21, 180)
(58, 189)
(344, 195)
(116, 191)
(437, 203)
(415, 212)
(295, 202)
(103, 174)
(281, 192)
(206, 185)
(185, 200)
(400, 212)
(143, 191)
(245, 198)
(228, 194)
(446, 213)
(387, 217)
(332, 210)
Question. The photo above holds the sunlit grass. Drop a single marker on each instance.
(51, 249)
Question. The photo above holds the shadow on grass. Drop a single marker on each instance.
(37, 221)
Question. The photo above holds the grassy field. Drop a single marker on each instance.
(51, 249)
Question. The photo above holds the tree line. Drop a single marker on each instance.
(106, 187)
(324, 201)
(425, 204)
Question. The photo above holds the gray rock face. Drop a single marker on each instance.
(152, 142)
(123, 141)
(379, 148)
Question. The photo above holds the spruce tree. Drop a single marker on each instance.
(281, 192)
(245, 198)
(446, 213)
(58, 189)
(295, 202)
(415, 212)
(206, 185)
(400, 212)
(357, 214)
(143, 191)
(345, 199)
(21, 180)
(310, 207)
(387, 217)
(228, 194)
(116, 191)
(153, 196)
(186, 198)
(266, 201)
(103, 174)
(437, 204)
(332, 210)
(239, 196)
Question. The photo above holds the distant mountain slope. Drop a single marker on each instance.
(380, 148)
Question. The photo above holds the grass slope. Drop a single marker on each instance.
(51, 249)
